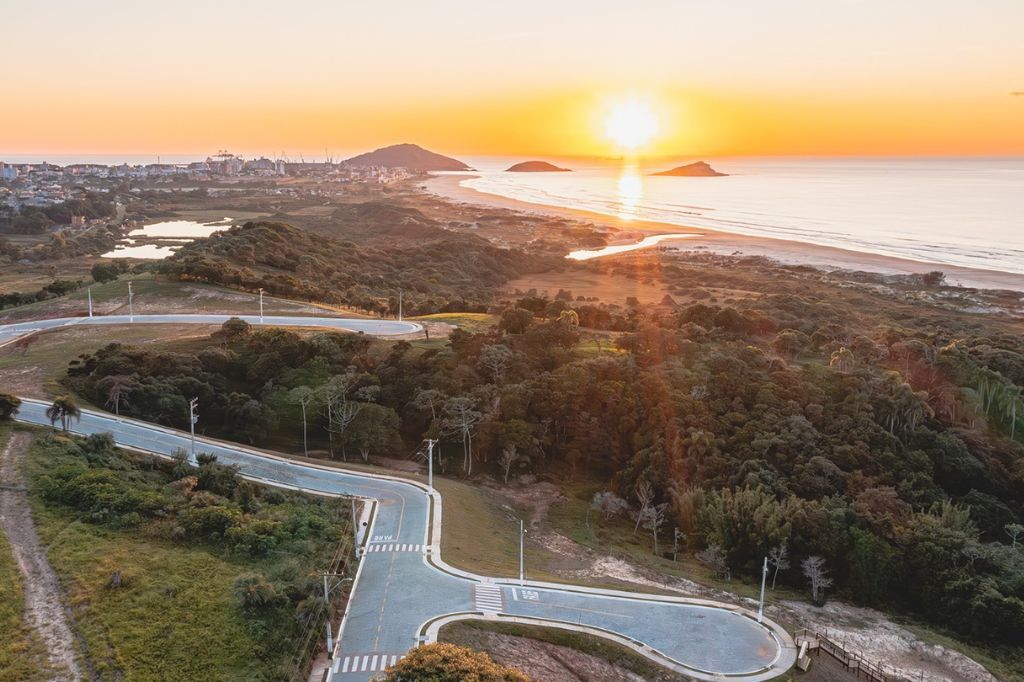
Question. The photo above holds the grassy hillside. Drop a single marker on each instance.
(155, 559)
(438, 270)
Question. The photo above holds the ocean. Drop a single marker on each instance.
(959, 211)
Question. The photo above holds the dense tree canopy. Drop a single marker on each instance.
(895, 456)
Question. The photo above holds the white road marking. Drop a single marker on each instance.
(368, 663)
(487, 598)
(394, 547)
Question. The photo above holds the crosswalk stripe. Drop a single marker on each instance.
(394, 547)
(488, 598)
(373, 662)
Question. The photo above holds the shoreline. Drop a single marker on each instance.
(726, 243)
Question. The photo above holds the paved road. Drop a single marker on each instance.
(404, 589)
(368, 326)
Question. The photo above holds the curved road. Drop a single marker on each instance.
(404, 591)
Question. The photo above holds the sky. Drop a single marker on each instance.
(739, 77)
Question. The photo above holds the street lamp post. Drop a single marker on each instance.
(131, 309)
(760, 604)
(192, 419)
(430, 465)
(522, 572)
(89, 291)
(261, 305)
(327, 607)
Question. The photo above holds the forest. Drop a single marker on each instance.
(437, 270)
(890, 455)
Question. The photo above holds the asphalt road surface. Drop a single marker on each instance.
(10, 332)
(404, 589)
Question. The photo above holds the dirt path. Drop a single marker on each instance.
(44, 609)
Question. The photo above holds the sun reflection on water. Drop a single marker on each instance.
(630, 191)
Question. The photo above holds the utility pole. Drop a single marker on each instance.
(131, 310)
(193, 417)
(261, 305)
(522, 572)
(760, 604)
(89, 291)
(327, 608)
(430, 465)
(399, 305)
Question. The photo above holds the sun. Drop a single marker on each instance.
(631, 124)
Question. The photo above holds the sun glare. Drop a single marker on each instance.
(631, 124)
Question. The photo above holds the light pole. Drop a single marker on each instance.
(760, 604)
(192, 419)
(327, 607)
(430, 465)
(89, 291)
(261, 305)
(522, 535)
(399, 305)
(131, 310)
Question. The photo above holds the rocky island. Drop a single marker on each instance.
(697, 169)
(411, 156)
(536, 167)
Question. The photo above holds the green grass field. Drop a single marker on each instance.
(470, 322)
(38, 370)
(156, 294)
(175, 620)
(175, 617)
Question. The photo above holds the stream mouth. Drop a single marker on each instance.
(611, 250)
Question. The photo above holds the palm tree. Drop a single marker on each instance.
(842, 361)
(63, 409)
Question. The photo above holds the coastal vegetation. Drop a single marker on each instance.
(437, 270)
(161, 560)
(888, 455)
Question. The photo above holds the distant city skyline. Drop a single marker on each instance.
(848, 77)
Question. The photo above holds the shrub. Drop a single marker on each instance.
(450, 663)
(254, 592)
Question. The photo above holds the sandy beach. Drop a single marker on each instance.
(784, 251)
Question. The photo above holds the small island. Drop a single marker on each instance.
(536, 167)
(697, 169)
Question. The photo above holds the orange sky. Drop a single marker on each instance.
(739, 78)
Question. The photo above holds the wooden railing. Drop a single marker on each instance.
(850, 660)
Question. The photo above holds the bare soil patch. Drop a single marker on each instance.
(546, 660)
(45, 610)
